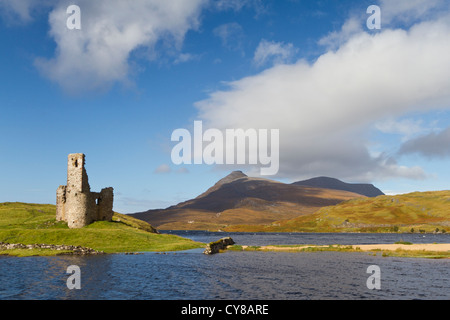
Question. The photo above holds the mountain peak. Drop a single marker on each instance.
(235, 175)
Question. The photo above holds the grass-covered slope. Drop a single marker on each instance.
(414, 212)
(36, 224)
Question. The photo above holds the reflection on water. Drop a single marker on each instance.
(232, 275)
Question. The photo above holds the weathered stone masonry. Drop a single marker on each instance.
(75, 203)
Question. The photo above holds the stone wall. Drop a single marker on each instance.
(105, 204)
(74, 249)
(61, 203)
(75, 203)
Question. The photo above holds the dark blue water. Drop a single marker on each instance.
(260, 239)
(234, 275)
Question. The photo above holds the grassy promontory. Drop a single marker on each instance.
(36, 224)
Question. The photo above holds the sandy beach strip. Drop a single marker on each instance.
(432, 247)
(437, 247)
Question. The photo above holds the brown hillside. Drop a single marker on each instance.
(238, 199)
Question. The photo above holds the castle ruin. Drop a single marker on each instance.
(75, 203)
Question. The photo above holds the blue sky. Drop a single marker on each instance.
(352, 103)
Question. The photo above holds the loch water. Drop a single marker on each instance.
(191, 275)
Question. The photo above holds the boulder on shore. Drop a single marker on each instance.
(216, 246)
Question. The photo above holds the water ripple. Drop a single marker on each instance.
(231, 276)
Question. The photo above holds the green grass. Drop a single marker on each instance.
(32, 252)
(414, 212)
(404, 242)
(35, 223)
(417, 254)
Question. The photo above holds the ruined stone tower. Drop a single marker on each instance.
(75, 203)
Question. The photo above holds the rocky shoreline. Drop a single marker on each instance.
(76, 250)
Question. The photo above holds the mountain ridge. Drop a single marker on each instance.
(368, 190)
(240, 199)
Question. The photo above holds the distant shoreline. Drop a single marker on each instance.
(423, 250)
(439, 247)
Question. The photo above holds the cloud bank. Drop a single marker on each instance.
(273, 51)
(432, 145)
(19, 11)
(98, 55)
(408, 11)
(101, 53)
(324, 109)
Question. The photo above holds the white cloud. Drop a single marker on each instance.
(185, 57)
(392, 12)
(277, 52)
(237, 5)
(410, 10)
(20, 11)
(231, 34)
(183, 170)
(324, 110)
(98, 55)
(406, 128)
(432, 145)
(164, 168)
(336, 38)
